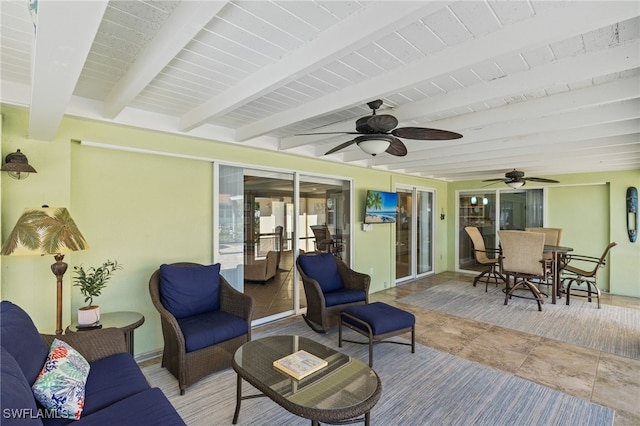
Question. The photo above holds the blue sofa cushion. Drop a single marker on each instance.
(150, 407)
(381, 317)
(211, 328)
(322, 268)
(340, 297)
(110, 380)
(17, 402)
(20, 337)
(190, 290)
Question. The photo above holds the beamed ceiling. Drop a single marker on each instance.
(546, 87)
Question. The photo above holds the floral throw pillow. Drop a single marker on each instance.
(60, 385)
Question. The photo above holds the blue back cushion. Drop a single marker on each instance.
(190, 290)
(16, 393)
(21, 339)
(322, 268)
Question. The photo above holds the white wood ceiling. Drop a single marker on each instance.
(547, 87)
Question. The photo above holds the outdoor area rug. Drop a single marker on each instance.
(611, 329)
(428, 387)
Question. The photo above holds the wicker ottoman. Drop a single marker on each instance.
(378, 321)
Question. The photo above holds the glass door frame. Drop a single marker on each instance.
(496, 214)
(296, 309)
(413, 227)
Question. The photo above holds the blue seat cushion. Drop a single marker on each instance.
(150, 407)
(340, 297)
(322, 268)
(190, 290)
(110, 380)
(15, 394)
(211, 328)
(382, 318)
(20, 337)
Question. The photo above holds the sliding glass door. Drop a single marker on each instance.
(414, 233)
(490, 211)
(264, 216)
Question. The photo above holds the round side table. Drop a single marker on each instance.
(125, 321)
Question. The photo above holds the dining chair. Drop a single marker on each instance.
(323, 241)
(521, 257)
(571, 274)
(552, 237)
(481, 254)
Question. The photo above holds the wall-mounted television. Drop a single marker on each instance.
(381, 207)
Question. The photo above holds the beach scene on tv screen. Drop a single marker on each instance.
(381, 207)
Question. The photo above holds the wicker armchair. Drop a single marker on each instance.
(189, 366)
(330, 286)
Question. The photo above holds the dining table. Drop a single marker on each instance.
(558, 253)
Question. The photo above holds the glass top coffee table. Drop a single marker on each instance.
(343, 391)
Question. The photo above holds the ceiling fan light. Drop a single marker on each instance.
(515, 184)
(374, 146)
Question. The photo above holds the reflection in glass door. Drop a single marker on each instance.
(490, 211)
(325, 202)
(478, 209)
(414, 233)
(258, 232)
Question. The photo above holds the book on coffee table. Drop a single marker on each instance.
(300, 364)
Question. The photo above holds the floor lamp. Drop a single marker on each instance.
(46, 230)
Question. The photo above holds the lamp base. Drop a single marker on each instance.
(58, 269)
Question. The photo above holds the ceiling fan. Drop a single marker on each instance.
(378, 134)
(515, 179)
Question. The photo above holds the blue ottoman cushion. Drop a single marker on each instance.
(382, 318)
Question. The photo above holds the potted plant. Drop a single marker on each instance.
(91, 282)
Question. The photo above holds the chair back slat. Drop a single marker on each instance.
(479, 247)
(522, 251)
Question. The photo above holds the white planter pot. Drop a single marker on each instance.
(88, 316)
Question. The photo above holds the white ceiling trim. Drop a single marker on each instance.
(360, 29)
(58, 57)
(180, 28)
(575, 69)
(550, 25)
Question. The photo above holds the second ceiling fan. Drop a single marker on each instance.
(515, 179)
(378, 134)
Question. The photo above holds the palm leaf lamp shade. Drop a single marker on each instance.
(46, 230)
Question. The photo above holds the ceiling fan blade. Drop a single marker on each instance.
(497, 180)
(537, 179)
(397, 148)
(382, 123)
(328, 133)
(423, 133)
(341, 146)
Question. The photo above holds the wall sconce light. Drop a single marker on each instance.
(17, 165)
(474, 200)
(442, 215)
